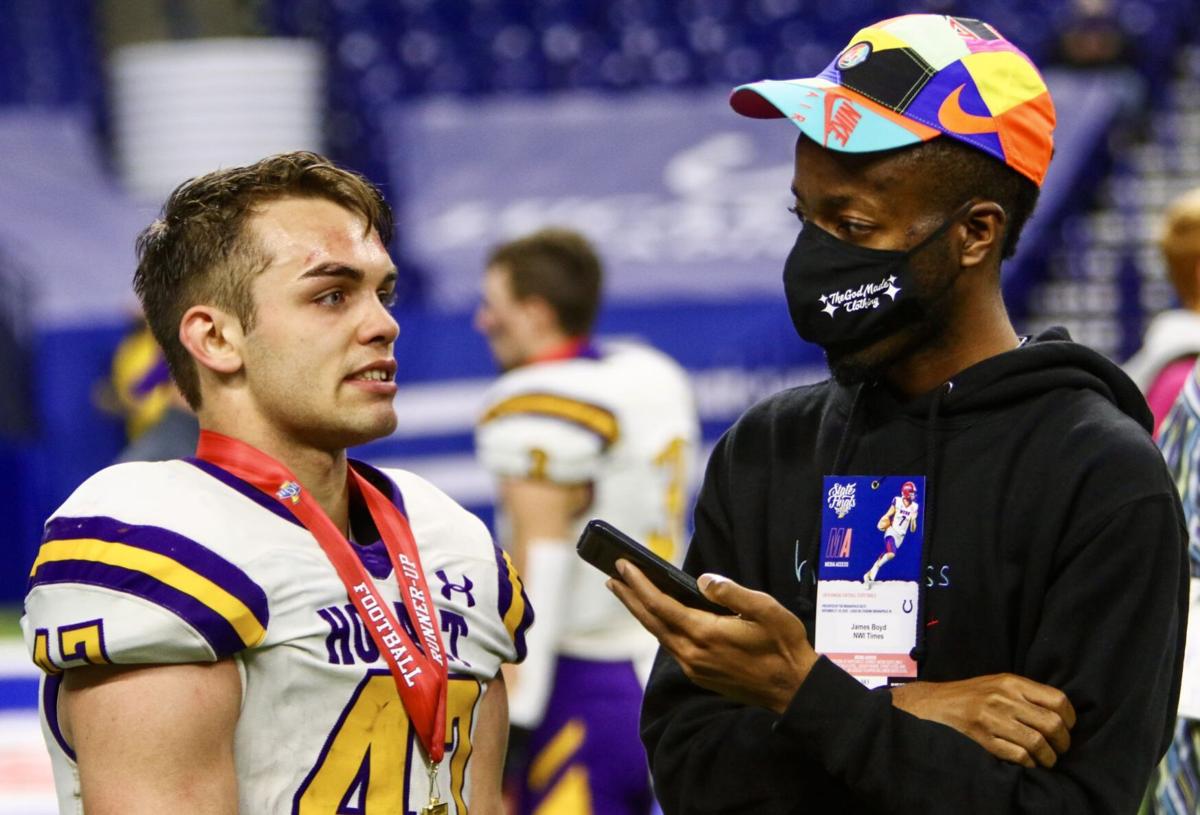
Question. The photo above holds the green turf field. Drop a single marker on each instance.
(9, 622)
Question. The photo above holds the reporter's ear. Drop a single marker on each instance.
(983, 233)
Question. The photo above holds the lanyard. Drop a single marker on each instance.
(421, 678)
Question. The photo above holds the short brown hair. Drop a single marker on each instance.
(198, 251)
(560, 266)
(1180, 242)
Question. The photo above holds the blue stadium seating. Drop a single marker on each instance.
(383, 51)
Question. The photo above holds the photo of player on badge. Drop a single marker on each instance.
(872, 529)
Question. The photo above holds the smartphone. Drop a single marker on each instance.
(602, 544)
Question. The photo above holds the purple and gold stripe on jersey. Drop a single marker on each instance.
(513, 603)
(209, 593)
(595, 418)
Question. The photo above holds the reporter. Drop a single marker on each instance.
(1051, 591)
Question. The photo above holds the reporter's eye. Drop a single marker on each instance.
(855, 229)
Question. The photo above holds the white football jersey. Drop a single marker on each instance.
(179, 561)
(623, 421)
(902, 519)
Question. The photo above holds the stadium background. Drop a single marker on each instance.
(482, 119)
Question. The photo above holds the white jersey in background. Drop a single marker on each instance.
(178, 562)
(624, 421)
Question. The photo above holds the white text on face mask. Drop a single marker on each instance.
(858, 305)
(859, 297)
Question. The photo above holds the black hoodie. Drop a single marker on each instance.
(1055, 549)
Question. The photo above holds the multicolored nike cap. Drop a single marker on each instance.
(909, 79)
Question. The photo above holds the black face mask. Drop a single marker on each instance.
(841, 295)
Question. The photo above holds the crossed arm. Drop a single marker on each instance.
(762, 656)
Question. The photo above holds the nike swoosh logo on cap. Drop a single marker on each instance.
(957, 120)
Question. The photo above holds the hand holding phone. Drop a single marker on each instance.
(602, 545)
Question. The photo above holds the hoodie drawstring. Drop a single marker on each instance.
(847, 430)
(931, 461)
(838, 463)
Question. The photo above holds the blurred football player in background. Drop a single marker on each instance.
(573, 431)
(159, 425)
(251, 630)
(1172, 340)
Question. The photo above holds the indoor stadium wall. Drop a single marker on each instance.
(686, 202)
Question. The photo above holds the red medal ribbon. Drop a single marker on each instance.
(570, 349)
(421, 678)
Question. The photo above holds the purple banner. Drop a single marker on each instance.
(682, 196)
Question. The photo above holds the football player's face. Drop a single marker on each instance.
(318, 362)
(504, 320)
